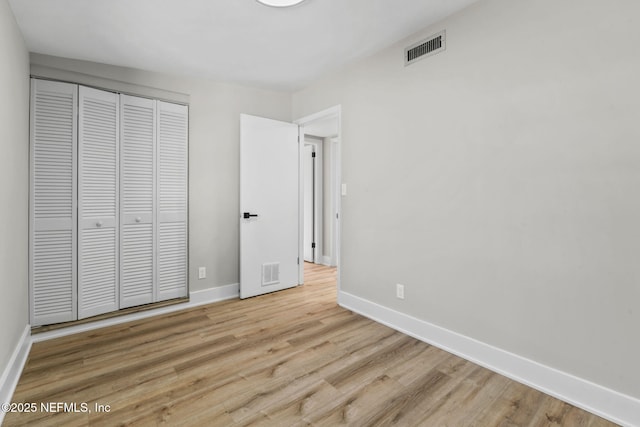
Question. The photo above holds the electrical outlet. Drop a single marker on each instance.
(400, 291)
(202, 272)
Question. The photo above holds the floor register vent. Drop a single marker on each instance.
(424, 48)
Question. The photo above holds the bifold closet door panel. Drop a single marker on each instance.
(173, 128)
(137, 201)
(98, 149)
(52, 216)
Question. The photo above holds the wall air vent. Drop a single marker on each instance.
(422, 49)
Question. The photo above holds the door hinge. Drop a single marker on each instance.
(298, 260)
(313, 154)
(313, 246)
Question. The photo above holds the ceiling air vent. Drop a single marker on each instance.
(422, 49)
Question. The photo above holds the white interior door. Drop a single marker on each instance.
(98, 153)
(269, 193)
(173, 128)
(137, 201)
(53, 216)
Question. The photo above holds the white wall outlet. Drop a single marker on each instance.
(202, 272)
(400, 291)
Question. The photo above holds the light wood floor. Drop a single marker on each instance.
(284, 359)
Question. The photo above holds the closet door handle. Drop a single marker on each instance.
(138, 219)
(99, 224)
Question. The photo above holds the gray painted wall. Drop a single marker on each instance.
(14, 184)
(498, 181)
(214, 162)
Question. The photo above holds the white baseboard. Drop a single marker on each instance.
(211, 295)
(13, 370)
(326, 260)
(196, 298)
(606, 403)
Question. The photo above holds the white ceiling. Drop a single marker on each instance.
(238, 41)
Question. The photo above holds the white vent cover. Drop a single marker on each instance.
(424, 48)
(270, 273)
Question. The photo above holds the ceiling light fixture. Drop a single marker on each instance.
(280, 3)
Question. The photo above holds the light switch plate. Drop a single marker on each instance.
(202, 272)
(344, 189)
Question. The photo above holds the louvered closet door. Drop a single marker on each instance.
(52, 249)
(172, 200)
(98, 146)
(137, 201)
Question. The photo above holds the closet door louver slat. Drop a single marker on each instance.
(137, 209)
(98, 200)
(52, 249)
(172, 204)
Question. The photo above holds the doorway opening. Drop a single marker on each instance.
(319, 187)
(313, 194)
(272, 223)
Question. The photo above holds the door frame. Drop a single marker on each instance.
(336, 180)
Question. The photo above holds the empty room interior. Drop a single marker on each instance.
(320, 212)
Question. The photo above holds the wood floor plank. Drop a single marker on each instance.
(357, 407)
(409, 405)
(312, 400)
(291, 358)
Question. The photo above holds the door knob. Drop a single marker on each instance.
(138, 219)
(99, 224)
(248, 215)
